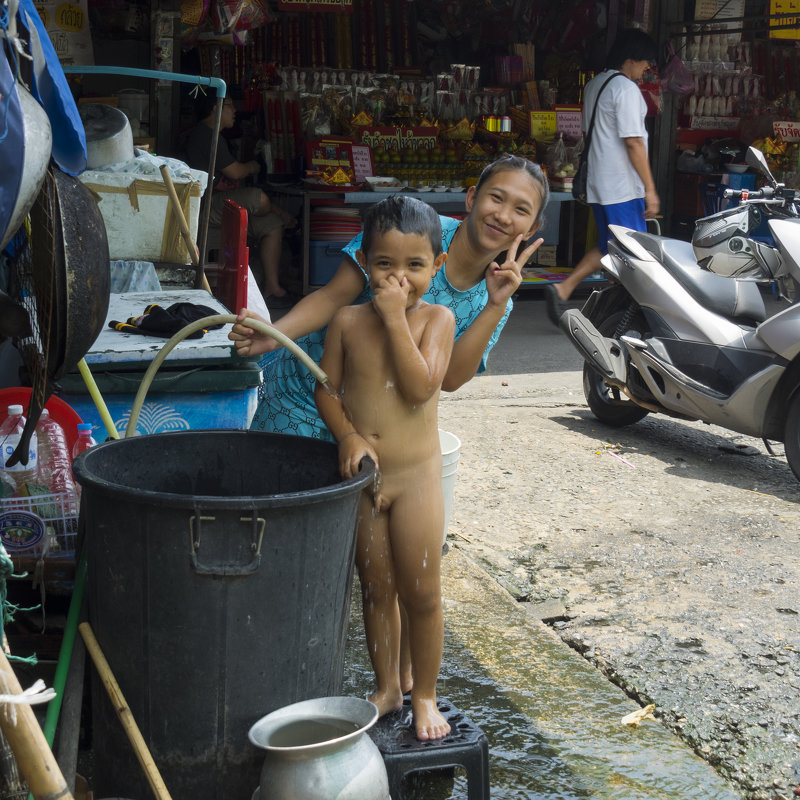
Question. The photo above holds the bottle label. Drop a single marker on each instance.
(10, 445)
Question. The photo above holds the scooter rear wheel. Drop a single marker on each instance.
(608, 403)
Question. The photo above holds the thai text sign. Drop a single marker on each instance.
(315, 5)
(400, 138)
(788, 131)
(782, 26)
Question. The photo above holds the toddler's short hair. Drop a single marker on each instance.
(405, 214)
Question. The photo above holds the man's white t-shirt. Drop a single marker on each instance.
(620, 115)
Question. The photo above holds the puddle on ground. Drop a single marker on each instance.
(546, 742)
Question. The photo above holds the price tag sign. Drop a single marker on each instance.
(362, 162)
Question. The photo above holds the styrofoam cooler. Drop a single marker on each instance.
(451, 449)
(140, 223)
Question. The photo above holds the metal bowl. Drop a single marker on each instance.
(109, 138)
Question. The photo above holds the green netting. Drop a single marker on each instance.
(8, 609)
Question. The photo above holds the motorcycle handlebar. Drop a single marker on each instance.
(780, 195)
(750, 194)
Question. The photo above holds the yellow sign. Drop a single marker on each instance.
(788, 8)
(543, 125)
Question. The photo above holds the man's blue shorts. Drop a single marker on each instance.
(629, 214)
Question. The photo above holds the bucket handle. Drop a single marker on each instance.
(221, 568)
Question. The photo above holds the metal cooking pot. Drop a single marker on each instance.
(319, 749)
(71, 280)
(36, 156)
(109, 138)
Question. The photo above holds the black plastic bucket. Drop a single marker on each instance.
(220, 565)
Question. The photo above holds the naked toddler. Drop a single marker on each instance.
(388, 358)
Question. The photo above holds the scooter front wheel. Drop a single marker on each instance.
(791, 435)
(608, 403)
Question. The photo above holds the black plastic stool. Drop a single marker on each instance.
(465, 746)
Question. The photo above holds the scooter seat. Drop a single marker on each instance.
(734, 298)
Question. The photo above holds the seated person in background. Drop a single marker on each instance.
(265, 221)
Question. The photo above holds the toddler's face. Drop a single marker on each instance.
(401, 256)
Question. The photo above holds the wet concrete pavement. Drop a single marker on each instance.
(553, 721)
(593, 571)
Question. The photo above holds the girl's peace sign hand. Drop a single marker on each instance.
(502, 280)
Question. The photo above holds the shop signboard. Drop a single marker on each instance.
(788, 131)
(338, 6)
(781, 25)
(397, 138)
(714, 123)
(543, 125)
(726, 14)
(568, 121)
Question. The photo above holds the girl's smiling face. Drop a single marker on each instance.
(506, 206)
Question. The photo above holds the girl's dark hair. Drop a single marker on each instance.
(405, 214)
(509, 161)
(632, 44)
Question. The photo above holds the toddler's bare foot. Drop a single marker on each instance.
(428, 722)
(406, 683)
(387, 701)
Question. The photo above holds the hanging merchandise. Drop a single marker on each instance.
(676, 78)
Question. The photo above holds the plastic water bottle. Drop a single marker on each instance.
(55, 464)
(10, 434)
(85, 439)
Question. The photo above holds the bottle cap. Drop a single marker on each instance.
(84, 426)
(14, 410)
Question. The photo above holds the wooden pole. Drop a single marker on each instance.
(34, 758)
(184, 226)
(124, 713)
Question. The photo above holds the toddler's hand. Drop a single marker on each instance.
(351, 450)
(391, 296)
(250, 342)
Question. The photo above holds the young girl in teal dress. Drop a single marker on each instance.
(504, 210)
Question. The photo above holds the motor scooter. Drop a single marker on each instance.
(674, 337)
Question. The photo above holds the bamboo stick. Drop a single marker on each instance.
(34, 758)
(184, 226)
(124, 713)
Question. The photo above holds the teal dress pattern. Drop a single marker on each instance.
(286, 397)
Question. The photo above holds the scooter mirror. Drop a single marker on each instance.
(755, 158)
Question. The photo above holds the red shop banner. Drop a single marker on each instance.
(335, 6)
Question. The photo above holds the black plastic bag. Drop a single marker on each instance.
(579, 179)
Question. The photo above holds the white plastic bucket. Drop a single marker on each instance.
(451, 448)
